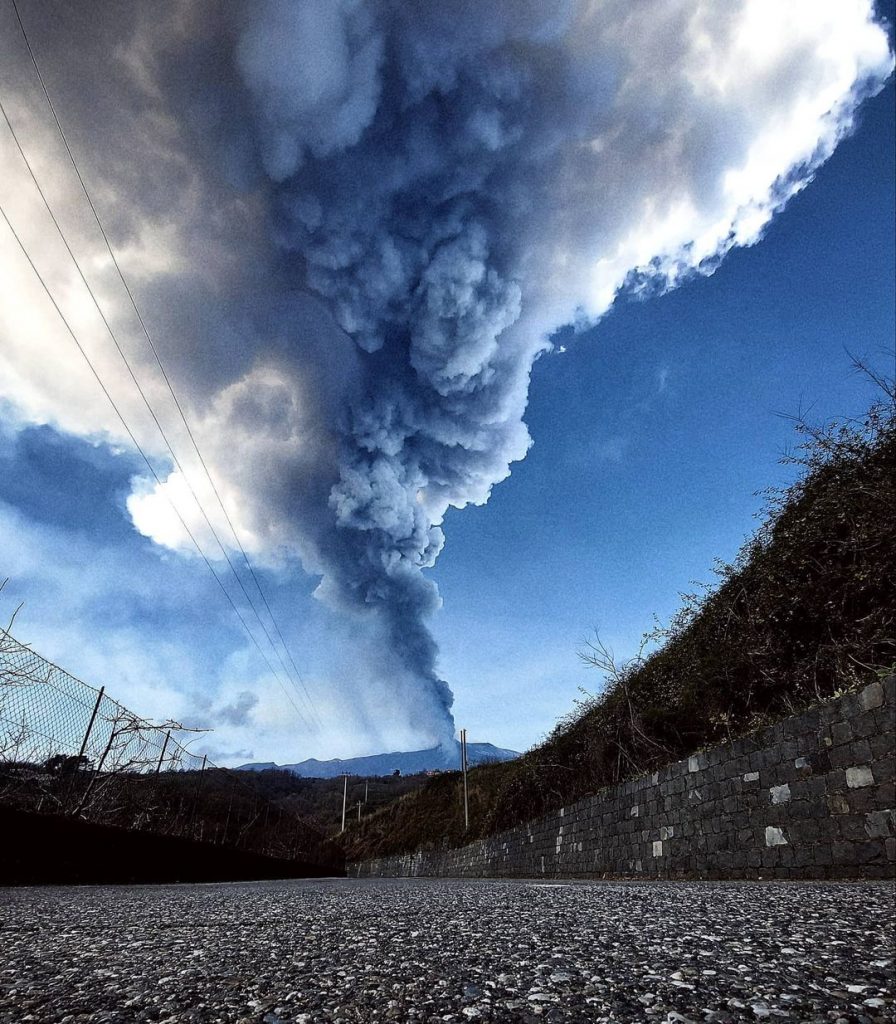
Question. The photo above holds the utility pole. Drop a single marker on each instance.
(359, 810)
(463, 766)
(344, 798)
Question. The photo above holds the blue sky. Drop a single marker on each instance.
(653, 430)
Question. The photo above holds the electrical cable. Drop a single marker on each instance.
(136, 382)
(161, 366)
(143, 454)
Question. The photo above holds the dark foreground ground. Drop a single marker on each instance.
(427, 950)
(58, 849)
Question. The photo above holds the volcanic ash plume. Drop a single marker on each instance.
(443, 183)
(456, 179)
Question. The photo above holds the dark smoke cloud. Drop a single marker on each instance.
(402, 201)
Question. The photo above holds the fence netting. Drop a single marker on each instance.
(69, 748)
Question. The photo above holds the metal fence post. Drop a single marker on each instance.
(196, 796)
(227, 819)
(96, 708)
(162, 755)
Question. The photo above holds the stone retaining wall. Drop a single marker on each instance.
(809, 797)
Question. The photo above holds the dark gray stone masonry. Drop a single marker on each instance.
(808, 797)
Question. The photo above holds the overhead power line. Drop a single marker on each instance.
(162, 370)
(143, 395)
(138, 446)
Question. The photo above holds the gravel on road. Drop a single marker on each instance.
(426, 950)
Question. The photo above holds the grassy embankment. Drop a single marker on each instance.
(805, 611)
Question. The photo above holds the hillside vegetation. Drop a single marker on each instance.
(319, 801)
(805, 611)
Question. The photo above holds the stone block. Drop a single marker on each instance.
(816, 809)
(811, 720)
(773, 736)
(771, 756)
(799, 790)
(884, 796)
(788, 750)
(851, 827)
(842, 756)
(780, 794)
(861, 751)
(774, 837)
(861, 800)
(880, 824)
(884, 769)
(786, 772)
(865, 725)
(804, 832)
(871, 697)
(770, 857)
(814, 788)
(841, 732)
(820, 761)
(806, 743)
(821, 854)
(857, 777)
(802, 857)
(843, 853)
(871, 851)
(881, 744)
(791, 728)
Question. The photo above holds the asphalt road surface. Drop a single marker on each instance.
(299, 952)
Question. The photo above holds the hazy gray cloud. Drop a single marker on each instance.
(238, 712)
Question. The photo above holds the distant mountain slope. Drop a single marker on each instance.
(408, 762)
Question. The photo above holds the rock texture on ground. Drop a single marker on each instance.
(300, 952)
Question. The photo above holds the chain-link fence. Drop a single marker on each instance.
(68, 748)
